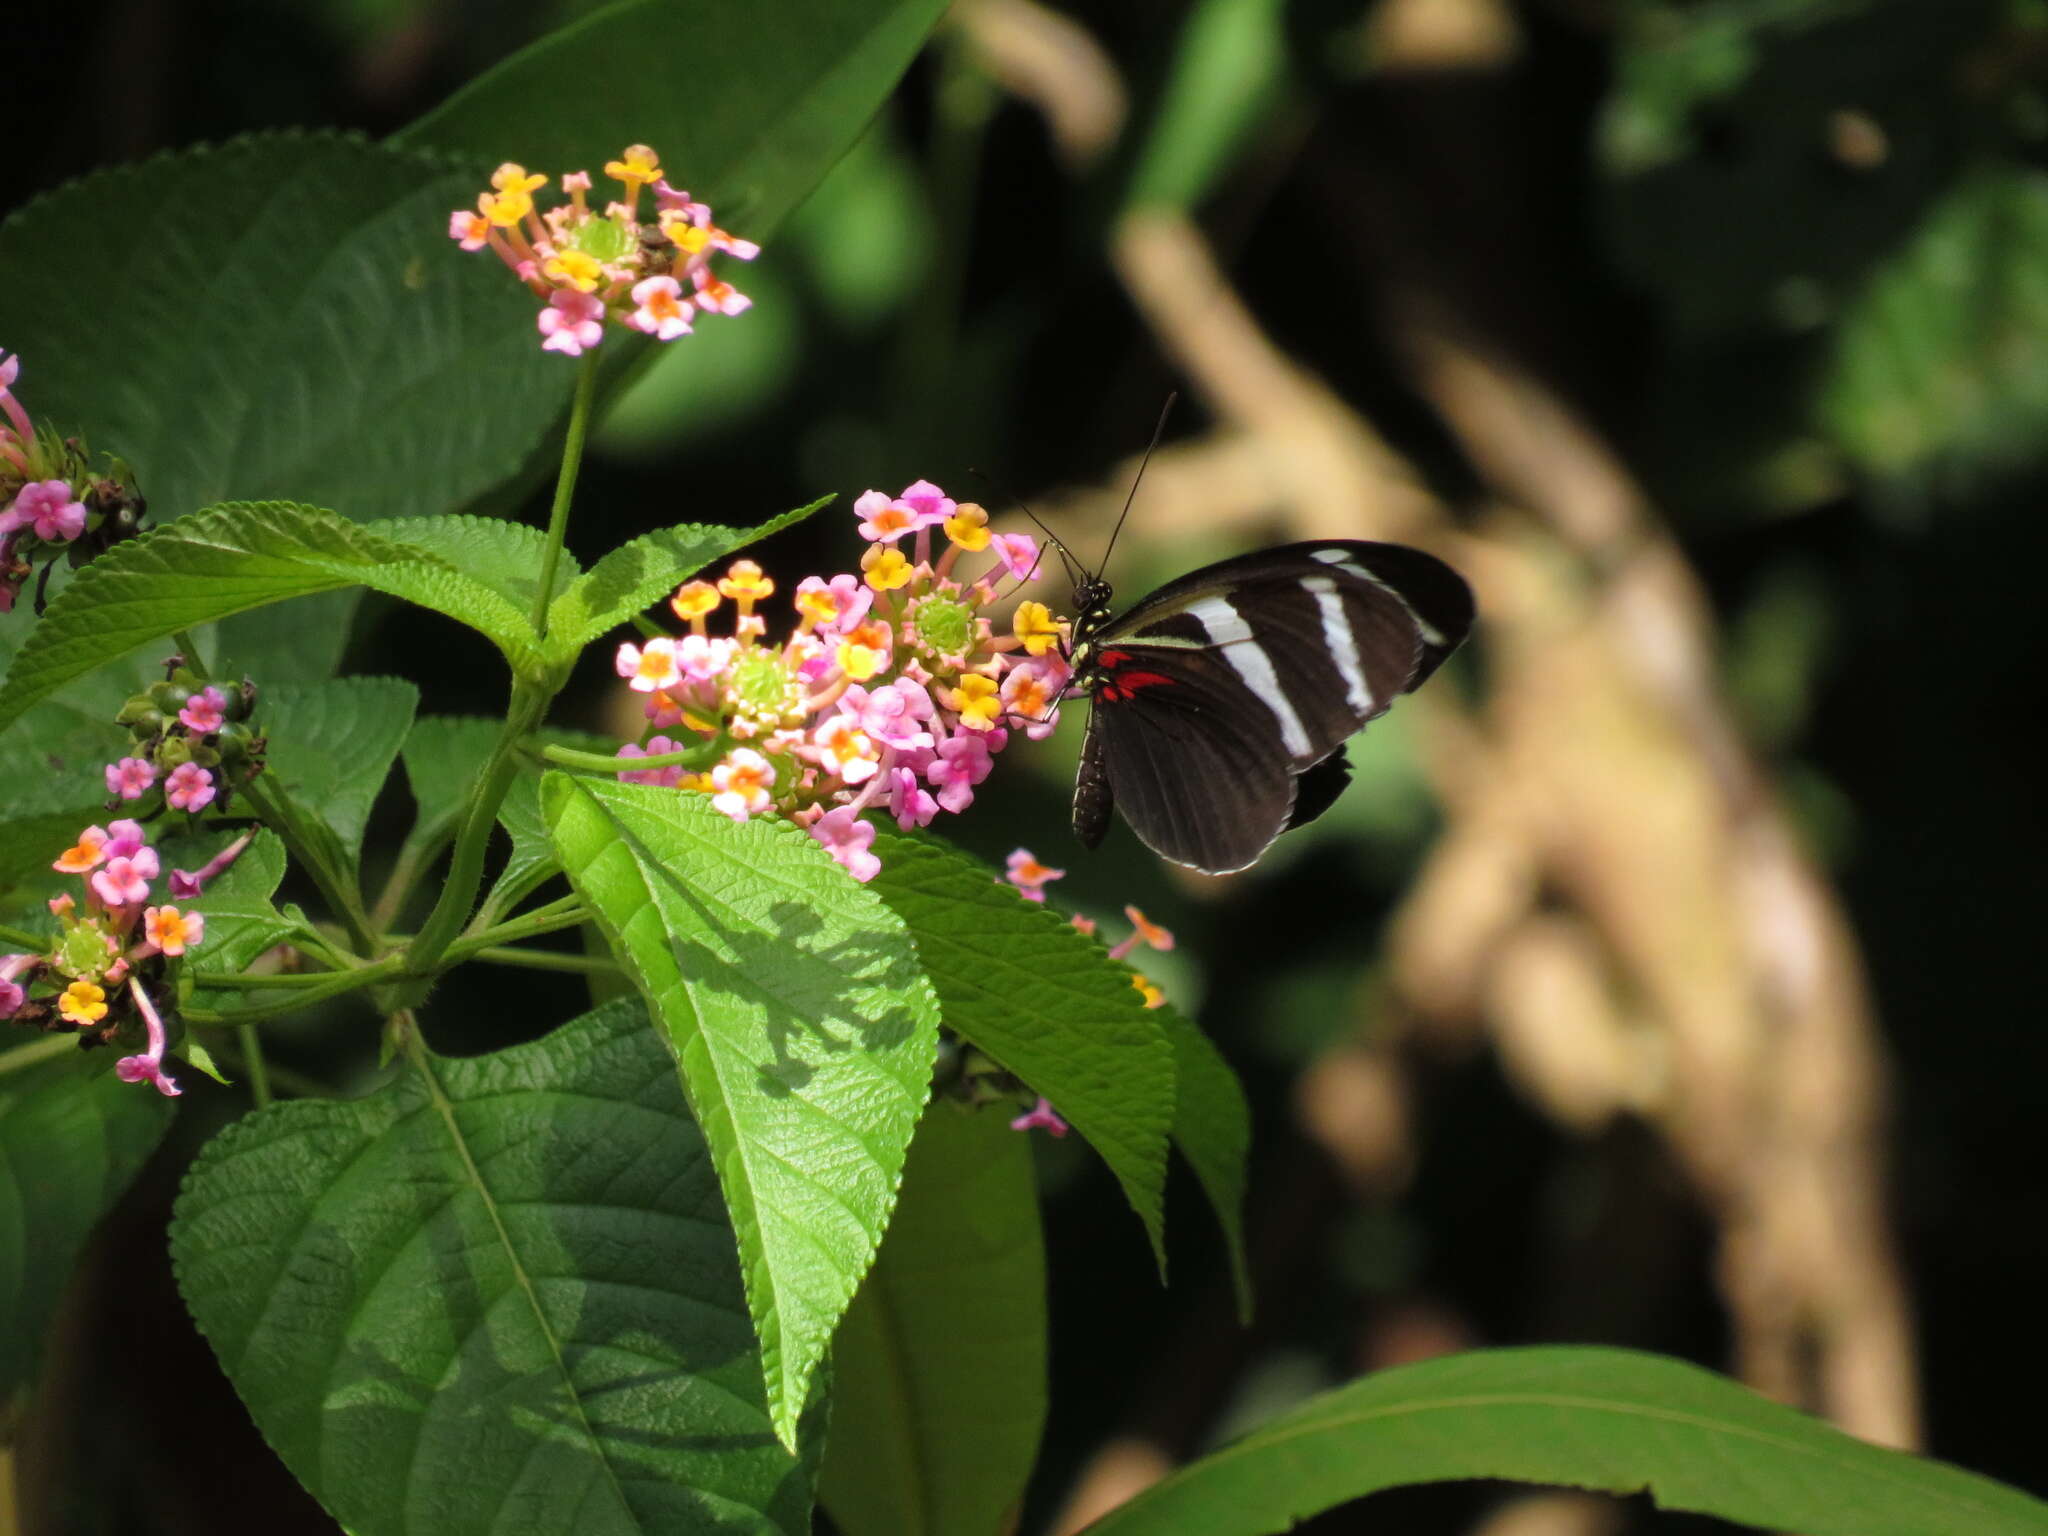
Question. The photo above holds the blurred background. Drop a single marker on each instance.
(1661, 979)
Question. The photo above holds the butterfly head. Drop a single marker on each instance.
(1092, 609)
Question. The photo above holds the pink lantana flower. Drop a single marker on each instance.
(1030, 876)
(845, 751)
(884, 519)
(572, 323)
(660, 308)
(909, 801)
(130, 778)
(961, 762)
(189, 788)
(832, 607)
(47, 509)
(148, 1067)
(1143, 931)
(893, 714)
(12, 993)
(716, 296)
(741, 783)
(930, 505)
(187, 884)
(650, 670)
(848, 838)
(1031, 694)
(1018, 552)
(702, 659)
(1041, 1116)
(124, 880)
(205, 712)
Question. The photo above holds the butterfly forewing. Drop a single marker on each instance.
(1215, 692)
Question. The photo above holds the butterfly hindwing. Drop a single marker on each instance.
(1216, 693)
(1184, 763)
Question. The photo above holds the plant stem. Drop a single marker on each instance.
(21, 938)
(466, 863)
(362, 976)
(252, 1063)
(565, 488)
(700, 756)
(544, 960)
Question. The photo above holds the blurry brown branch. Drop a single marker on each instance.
(1055, 64)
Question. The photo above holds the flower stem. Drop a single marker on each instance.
(545, 960)
(565, 489)
(252, 1063)
(466, 863)
(702, 755)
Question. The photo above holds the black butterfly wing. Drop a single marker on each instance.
(1185, 766)
(1218, 691)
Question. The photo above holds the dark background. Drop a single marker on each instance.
(1787, 262)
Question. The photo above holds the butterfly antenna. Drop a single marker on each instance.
(1165, 411)
(1067, 558)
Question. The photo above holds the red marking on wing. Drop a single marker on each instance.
(1131, 682)
(1114, 658)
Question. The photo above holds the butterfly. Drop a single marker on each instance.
(1219, 705)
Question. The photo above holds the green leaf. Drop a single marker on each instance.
(802, 1026)
(72, 1138)
(1940, 363)
(52, 758)
(639, 571)
(497, 1295)
(1048, 1004)
(929, 1437)
(1230, 74)
(303, 329)
(444, 756)
(241, 918)
(770, 104)
(52, 765)
(501, 558)
(1212, 1126)
(331, 746)
(1585, 1418)
(227, 560)
(1722, 119)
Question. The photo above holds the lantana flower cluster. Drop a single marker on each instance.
(92, 979)
(591, 267)
(190, 741)
(51, 504)
(893, 693)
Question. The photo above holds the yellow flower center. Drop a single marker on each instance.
(977, 702)
(1036, 627)
(884, 567)
(83, 1002)
(579, 269)
(968, 527)
(694, 600)
(746, 584)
